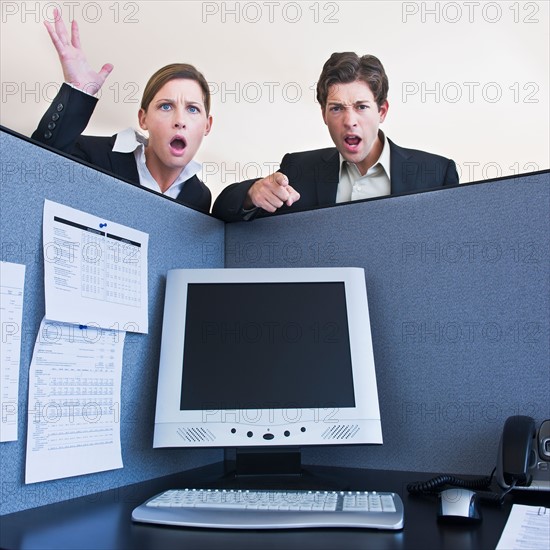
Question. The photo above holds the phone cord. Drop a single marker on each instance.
(431, 486)
(435, 485)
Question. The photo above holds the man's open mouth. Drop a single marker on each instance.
(352, 141)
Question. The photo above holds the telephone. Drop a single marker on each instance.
(523, 462)
(524, 455)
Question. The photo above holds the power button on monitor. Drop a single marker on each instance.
(268, 436)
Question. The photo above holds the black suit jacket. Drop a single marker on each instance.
(61, 128)
(315, 175)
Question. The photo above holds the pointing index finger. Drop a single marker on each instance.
(281, 179)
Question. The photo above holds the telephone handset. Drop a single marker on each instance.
(524, 455)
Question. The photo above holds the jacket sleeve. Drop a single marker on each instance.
(66, 119)
(451, 175)
(229, 204)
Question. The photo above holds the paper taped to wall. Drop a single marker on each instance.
(95, 270)
(74, 402)
(12, 283)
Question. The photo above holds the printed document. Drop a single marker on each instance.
(95, 270)
(12, 282)
(527, 528)
(74, 402)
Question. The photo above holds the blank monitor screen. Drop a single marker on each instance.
(273, 356)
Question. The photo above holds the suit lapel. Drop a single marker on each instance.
(123, 164)
(327, 177)
(402, 171)
(193, 193)
(190, 192)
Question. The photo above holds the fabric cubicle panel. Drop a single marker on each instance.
(178, 237)
(458, 282)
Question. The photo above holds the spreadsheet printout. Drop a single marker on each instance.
(74, 402)
(12, 283)
(95, 270)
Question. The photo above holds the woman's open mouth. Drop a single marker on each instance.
(178, 145)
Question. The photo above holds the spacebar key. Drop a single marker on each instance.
(221, 505)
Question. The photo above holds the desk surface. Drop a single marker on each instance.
(103, 520)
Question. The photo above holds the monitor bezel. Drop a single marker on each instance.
(360, 424)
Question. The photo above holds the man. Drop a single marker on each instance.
(352, 92)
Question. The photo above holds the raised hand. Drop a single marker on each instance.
(76, 69)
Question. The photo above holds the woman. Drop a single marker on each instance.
(175, 111)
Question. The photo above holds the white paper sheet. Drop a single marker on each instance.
(95, 270)
(74, 402)
(12, 284)
(527, 528)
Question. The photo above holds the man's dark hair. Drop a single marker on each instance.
(346, 67)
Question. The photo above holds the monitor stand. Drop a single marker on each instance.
(272, 461)
(275, 468)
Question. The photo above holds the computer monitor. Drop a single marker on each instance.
(266, 358)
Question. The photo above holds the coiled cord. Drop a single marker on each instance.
(431, 486)
(437, 484)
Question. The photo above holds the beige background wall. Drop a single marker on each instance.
(468, 80)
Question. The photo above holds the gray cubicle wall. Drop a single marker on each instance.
(458, 283)
(178, 237)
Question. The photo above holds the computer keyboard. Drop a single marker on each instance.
(272, 509)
